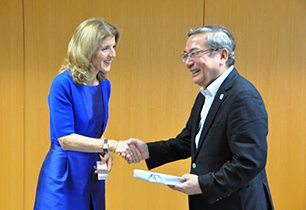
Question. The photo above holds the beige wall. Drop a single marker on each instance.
(11, 105)
(152, 92)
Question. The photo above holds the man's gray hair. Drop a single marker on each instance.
(217, 38)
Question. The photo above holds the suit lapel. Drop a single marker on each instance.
(219, 99)
(196, 121)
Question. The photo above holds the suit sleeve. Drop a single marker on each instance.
(162, 152)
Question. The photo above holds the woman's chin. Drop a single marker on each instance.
(105, 71)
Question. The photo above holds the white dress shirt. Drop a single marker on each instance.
(209, 94)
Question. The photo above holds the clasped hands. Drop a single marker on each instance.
(133, 151)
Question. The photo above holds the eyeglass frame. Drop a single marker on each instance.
(192, 55)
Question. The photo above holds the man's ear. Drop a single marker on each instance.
(223, 55)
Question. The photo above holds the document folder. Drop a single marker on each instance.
(158, 177)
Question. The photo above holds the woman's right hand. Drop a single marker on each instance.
(130, 151)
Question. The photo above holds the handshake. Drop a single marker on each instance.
(132, 150)
(136, 150)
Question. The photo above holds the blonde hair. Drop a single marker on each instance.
(83, 47)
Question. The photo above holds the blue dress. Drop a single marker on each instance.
(67, 179)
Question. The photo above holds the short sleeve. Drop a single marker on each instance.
(60, 106)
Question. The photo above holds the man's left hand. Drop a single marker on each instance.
(190, 186)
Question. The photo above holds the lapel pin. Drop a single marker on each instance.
(221, 96)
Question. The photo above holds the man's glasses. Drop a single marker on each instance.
(192, 55)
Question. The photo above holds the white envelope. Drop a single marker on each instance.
(103, 176)
(158, 177)
(102, 171)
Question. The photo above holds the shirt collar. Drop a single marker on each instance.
(215, 85)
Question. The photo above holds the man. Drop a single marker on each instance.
(225, 135)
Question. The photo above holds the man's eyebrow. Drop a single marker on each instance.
(192, 49)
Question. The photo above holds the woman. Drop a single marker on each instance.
(78, 103)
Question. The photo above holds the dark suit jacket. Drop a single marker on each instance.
(231, 156)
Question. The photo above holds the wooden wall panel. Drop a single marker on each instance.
(270, 37)
(11, 105)
(148, 82)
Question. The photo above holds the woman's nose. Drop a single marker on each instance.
(113, 53)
